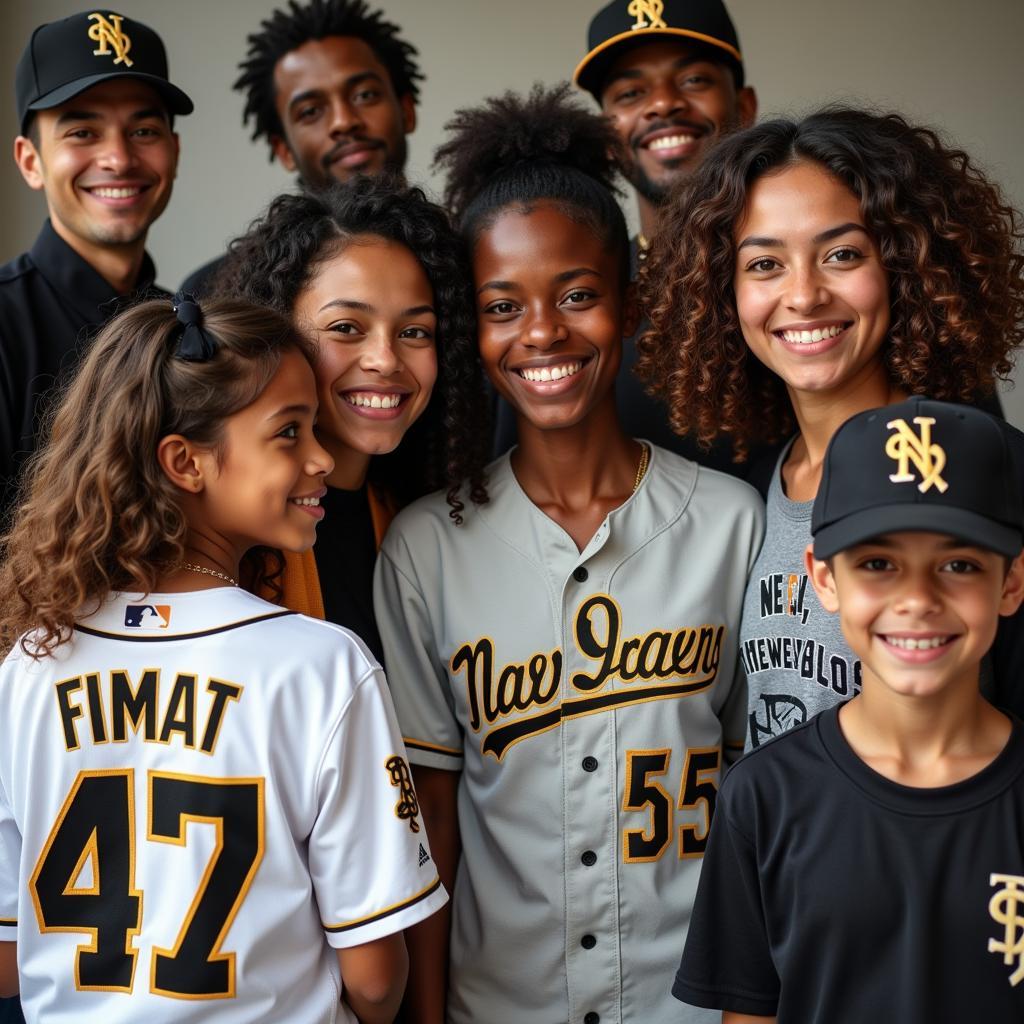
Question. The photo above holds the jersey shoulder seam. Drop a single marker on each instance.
(332, 732)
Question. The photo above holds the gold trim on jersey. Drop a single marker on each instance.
(636, 838)
(387, 911)
(128, 774)
(431, 747)
(181, 839)
(90, 853)
(692, 845)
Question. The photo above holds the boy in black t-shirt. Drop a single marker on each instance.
(869, 865)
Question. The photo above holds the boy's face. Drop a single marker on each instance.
(919, 609)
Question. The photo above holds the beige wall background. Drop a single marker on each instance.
(955, 64)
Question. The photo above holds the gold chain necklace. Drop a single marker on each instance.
(213, 572)
(642, 468)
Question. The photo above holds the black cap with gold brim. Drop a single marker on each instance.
(623, 22)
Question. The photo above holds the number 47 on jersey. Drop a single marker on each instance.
(96, 830)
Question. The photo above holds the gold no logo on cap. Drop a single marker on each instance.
(905, 447)
(107, 32)
(649, 9)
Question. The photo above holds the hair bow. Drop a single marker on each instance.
(196, 344)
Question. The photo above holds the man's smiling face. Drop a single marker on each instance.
(670, 101)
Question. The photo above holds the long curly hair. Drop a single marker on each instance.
(289, 28)
(96, 513)
(949, 243)
(281, 254)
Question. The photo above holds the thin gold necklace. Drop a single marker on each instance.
(642, 468)
(213, 572)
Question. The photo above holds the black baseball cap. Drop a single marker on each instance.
(924, 466)
(622, 23)
(66, 57)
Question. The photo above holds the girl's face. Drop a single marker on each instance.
(372, 309)
(265, 486)
(551, 315)
(811, 293)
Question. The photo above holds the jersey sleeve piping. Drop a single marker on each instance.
(436, 748)
(379, 915)
(424, 752)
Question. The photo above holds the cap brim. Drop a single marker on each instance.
(177, 101)
(590, 71)
(918, 518)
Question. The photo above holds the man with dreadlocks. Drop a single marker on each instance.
(332, 88)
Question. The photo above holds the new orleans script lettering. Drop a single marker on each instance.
(654, 655)
(673, 663)
(519, 687)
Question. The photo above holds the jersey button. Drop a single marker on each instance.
(589, 858)
(590, 764)
(588, 942)
(580, 574)
(592, 1018)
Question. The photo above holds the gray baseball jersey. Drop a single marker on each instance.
(200, 795)
(584, 697)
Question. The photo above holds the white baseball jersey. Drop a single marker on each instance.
(200, 795)
(584, 696)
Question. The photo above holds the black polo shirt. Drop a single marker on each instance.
(52, 302)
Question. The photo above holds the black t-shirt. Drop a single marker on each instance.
(52, 302)
(831, 894)
(345, 553)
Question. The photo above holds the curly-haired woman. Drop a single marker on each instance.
(809, 271)
(374, 273)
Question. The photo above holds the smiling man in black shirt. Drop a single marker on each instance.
(95, 110)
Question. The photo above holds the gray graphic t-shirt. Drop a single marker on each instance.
(794, 654)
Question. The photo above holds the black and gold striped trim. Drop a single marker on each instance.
(381, 914)
(431, 748)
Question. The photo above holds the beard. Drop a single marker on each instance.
(318, 175)
(656, 193)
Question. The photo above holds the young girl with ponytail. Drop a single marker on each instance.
(205, 810)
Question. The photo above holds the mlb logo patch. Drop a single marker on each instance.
(147, 616)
